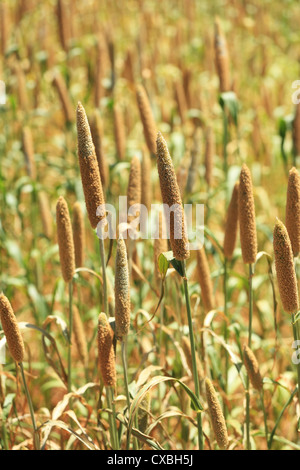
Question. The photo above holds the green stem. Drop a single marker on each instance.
(251, 273)
(193, 352)
(296, 338)
(70, 336)
(265, 417)
(36, 438)
(289, 401)
(112, 419)
(225, 142)
(103, 263)
(225, 333)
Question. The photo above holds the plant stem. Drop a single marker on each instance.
(265, 417)
(103, 264)
(225, 333)
(225, 142)
(193, 352)
(36, 438)
(70, 336)
(112, 419)
(296, 338)
(251, 273)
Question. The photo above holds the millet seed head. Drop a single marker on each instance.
(106, 354)
(284, 264)
(78, 234)
(11, 330)
(252, 368)
(231, 227)
(292, 218)
(246, 210)
(205, 280)
(147, 118)
(216, 415)
(89, 169)
(65, 240)
(122, 291)
(171, 197)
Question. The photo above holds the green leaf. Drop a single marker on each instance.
(163, 265)
(229, 101)
(177, 265)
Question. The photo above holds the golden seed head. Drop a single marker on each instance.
(205, 280)
(146, 181)
(80, 336)
(65, 240)
(231, 226)
(78, 234)
(216, 415)
(296, 131)
(222, 58)
(120, 133)
(209, 154)
(97, 132)
(292, 218)
(64, 97)
(46, 215)
(122, 291)
(171, 197)
(246, 210)
(106, 354)
(252, 367)
(146, 118)
(28, 149)
(11, 330)
(284, 264)
(89, 169)
(134, 190)
(64, 24)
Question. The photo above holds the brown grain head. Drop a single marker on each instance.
(205, 280)
(231, 227)
(63, 24)
(64, 97)
(28, 149)
(246, 211)
(222, 58)
(209, 154)
(216, 415)
(65, 240)
(146, 181)
(122, 291)
(120, 133)
(11, 330)
(252, 368)
(292, 217)
(106, 354)
(78, 234)
(97, 136)
(89, 169)
(80, 336)
(296, 131)
(134, 190)
(147, 118)
(171, 197)
(284, 264)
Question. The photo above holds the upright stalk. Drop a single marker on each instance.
(112, 419)
(70, 336)
(265, 417)
(36, 438)
(296, 338)
(103, 264)
(225, 333)
(251, 273)
(225, 142)
(193, 352)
